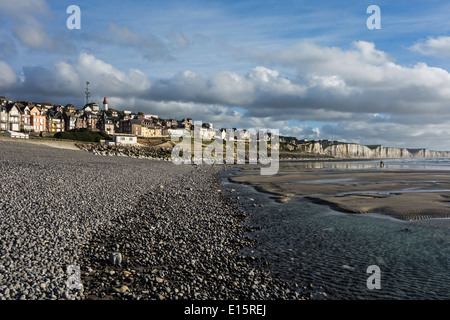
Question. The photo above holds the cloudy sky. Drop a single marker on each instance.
(311, 69)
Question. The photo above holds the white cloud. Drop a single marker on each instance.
(23, 9)
(179, 40)
(33, 35)
(439, 47)
(362, 79)
(68, 79)
(7, 47)
(29, 25)
(105, 77)
(8, 76)
(149, 45)
(351, 87)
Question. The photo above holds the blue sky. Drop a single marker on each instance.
(308, 68)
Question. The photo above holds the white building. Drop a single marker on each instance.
(207, 134)
(3, 118)
(122, 138)
(13, 118)
(176, 133)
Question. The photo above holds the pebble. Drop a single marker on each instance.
(80, 207)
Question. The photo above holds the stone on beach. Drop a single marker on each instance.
(115, 258)
(61, 207)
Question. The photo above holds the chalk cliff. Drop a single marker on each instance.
(349, 150)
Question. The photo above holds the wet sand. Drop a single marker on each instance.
(403, 194)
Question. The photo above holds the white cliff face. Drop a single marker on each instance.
(347, 150)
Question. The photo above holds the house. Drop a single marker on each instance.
(124, 138)
(80, 121)
(13, 119)
(186, 123)
(25, 117)
(149, 131)
(4, 101)
(207, 134)
(176, 133)
(221, 134)
(169, 123)
(3, 118)
(55, 121)
(45, 105)
(106, 125)
(242, 134)
(70, 108)
(130, 126)
(38, 120)
(69, 121)
(112, 113)
(94, 107)
(58, 107)
(136, 126)
(91, 120)
(133, 115)
(146, 132)
(123, 126)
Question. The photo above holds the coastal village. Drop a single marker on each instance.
(23, 119)
(43, 119)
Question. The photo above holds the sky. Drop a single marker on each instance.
(311, 69)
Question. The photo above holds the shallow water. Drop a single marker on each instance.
(393, 164)
(311, 243)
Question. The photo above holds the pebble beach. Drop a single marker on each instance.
(179, 234)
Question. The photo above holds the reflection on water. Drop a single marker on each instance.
(390, 164)
(310, 243)
(325, 181)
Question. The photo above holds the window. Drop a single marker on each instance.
(131, 139)
(123, 138)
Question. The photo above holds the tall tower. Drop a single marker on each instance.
(105, 104)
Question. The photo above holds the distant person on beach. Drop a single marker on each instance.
(381, 164)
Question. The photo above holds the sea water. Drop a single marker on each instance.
(311, 243)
